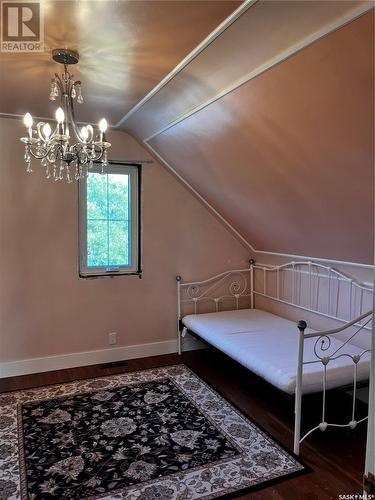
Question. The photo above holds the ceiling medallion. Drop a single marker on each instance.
(67, 152)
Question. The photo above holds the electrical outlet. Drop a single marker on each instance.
(112, 338)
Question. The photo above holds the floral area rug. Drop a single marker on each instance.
(153, 434)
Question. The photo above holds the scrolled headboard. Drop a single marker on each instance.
(307, 285)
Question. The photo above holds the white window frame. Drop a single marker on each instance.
(134, 172)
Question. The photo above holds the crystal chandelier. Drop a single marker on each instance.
(61, 158)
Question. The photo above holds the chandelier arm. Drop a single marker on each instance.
(69, 79)
(69, 87)
(41, 156)
(80, 153)
(99, 155)
(39, 127)
(73, 121)
(55, 148)
(59, 84)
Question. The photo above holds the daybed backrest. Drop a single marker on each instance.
(314, 287)
(309, 286)
(317, 289)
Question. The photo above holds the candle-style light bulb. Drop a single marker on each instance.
(28, 120)
(103, 125)
(60, 115)
(90, 130)
(47, 131)
(84, 134)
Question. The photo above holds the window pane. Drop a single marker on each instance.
(118, 195)
(97, 244)
(109, 220)
(97, 196)
(119, 243)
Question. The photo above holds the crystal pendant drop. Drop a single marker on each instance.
(74, 92)
(27, 158)
(80, 96)
(48, 173)
(55, 89)
(61, 170)
(27, 154)
(68, 178)
(104, 162)
(76, 175)
(52, 95)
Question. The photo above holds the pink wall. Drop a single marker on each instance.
(287, 158)
(45, 309)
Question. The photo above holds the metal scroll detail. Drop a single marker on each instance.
(238, 286)
(322, 345)
(194, 292)
(228, 286)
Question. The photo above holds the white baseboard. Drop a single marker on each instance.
(50, 363)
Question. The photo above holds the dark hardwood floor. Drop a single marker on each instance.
(336, 456)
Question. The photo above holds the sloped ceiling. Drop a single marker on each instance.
(285, 157)
(125, 47)
(265, 32)
(270, 120)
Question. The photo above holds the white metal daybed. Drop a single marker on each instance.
(293, 358)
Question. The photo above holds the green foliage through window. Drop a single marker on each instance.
(108, 215)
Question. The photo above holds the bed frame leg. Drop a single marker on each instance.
(179, 343)
(298, 395)
(178, 280)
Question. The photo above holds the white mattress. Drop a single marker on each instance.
(268, 345)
